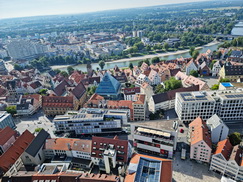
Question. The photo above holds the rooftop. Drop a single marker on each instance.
(195, 96)
(6, 134)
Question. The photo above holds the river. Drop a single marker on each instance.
(238, 29)
(125, 62)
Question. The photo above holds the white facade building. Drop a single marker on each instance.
(219, 130)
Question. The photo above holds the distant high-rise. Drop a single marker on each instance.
(24, 49)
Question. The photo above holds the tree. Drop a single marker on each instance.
(224, 80)
(192, 49)
(235, 138)
(57, 71)
(37, 130)
(166, 46)
(215, 87)
(155, 60)
(212, 63)
(64, 73)
(102, 64)
(11, 110)
(17, 67)
(195, 54)
(194, 73)
(70, 70)
(170, 84)
(91, 90)
(43, 91)
(131, 66)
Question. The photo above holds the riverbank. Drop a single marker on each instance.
(125, 62)
(150, 56)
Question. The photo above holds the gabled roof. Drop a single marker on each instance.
(57, 101)
(15, 151)
(225, 148)
(6, 134)
(79, 90)
(170, 95)
(35, 85)
(37, 143)
(108, 85)
(200, 132)
(61, 88)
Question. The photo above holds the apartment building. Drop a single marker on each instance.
(219, 131)
(232, 72)
(227, 160)
(139, 108)
(190, 105)
(110, 153)
(68, 147)
(200, 141)
(90, 121)
(156, 138)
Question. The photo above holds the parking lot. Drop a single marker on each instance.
(191, 171)
(37, 120)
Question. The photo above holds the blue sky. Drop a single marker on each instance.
(22, 8)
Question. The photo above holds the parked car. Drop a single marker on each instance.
(181, 130)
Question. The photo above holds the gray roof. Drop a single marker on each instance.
(214, 121)
(234, 70)
(37, 143)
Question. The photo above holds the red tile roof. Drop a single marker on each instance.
(6, 134)
(15, 151)
(225, 148)
(101, 142)
(140, 99)
(131, 91)
(200, 133)
(57, 101)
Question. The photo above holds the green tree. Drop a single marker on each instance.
(102, 64)
(43, 91)
(64, 73)
(91, 90)
(224, 80)
(215, 87)
(11, 110)
(192, 49)
(131, 66)
(170, 84)
(70, 70)
(212, 63)
(57, 71)
(155, 60)
(17, 67)
(194, 73)
(235, 138)
(195, 54)
(166, 46)
(37, 130)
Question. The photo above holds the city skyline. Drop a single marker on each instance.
(27, 8)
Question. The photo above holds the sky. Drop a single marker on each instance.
(23, 8)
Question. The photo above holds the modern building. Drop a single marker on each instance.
(227, 160)
(6, 120)
(34, 154)
(147, 168)
(200, 141)
(166, 100)
(219, 131)
(109, 87)
(155, 137)
(110, 153)
(24, 49)
(10, 161)
(7, 138)
(190, 105)
(91, 121)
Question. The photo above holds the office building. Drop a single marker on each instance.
(91, 121)
(6, 120)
